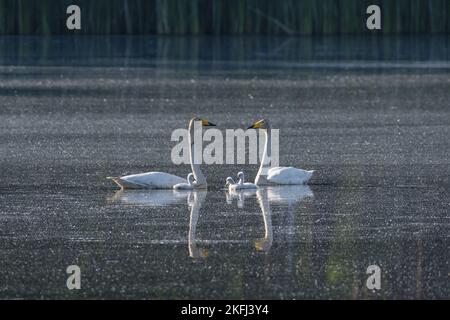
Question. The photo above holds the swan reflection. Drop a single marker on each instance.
(275, 194)
(240, 196)
(288, 194)
(160, 198)
(264, 244)
(154, 198)
(265, 196)
(195, 201)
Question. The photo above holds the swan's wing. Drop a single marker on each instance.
(288, 175)
(155, 180)
(183, 186)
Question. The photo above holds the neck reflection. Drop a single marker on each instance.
(195, 200)
(264, 244)
(281, 195)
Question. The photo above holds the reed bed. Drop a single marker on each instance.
(222, 17)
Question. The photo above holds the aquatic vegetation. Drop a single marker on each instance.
(174, 17)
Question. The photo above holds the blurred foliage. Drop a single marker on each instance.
(182, 17)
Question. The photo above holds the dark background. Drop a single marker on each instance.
(217, 17)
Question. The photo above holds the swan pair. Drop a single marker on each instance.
(266, 175)
(240, 185)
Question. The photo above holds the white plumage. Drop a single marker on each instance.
(149, 180)
(288, 175)
(162, 180)
(244, 185)
(268, 175)
(186, 186)
(240, 185)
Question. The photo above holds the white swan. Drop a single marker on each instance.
(240, 185)
(162, 180)
(232, 186)
(245, 185)
(276, 175)
(186, 186)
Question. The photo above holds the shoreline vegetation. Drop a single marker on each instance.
(223, 17)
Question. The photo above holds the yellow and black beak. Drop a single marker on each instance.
(206, 123)
(256, 125)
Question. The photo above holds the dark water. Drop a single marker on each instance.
(371, 116)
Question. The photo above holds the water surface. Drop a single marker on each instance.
(371, 116)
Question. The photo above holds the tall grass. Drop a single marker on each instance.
(183, 17)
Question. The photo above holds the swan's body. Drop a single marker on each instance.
(162, 180)
(268, 175)
(288, 175)
(148, 180)
(186, 186)
(244, 185)
(240, 185)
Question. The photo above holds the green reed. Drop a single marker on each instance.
(221, 17)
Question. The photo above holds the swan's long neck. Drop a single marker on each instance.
(261, 176)
(200, 180)
(241, 179)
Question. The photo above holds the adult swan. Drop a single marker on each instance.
(162, 180)
(276, 175)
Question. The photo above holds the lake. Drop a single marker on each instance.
(370, 115)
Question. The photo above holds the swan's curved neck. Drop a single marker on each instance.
(261, 176)
(200, 179)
